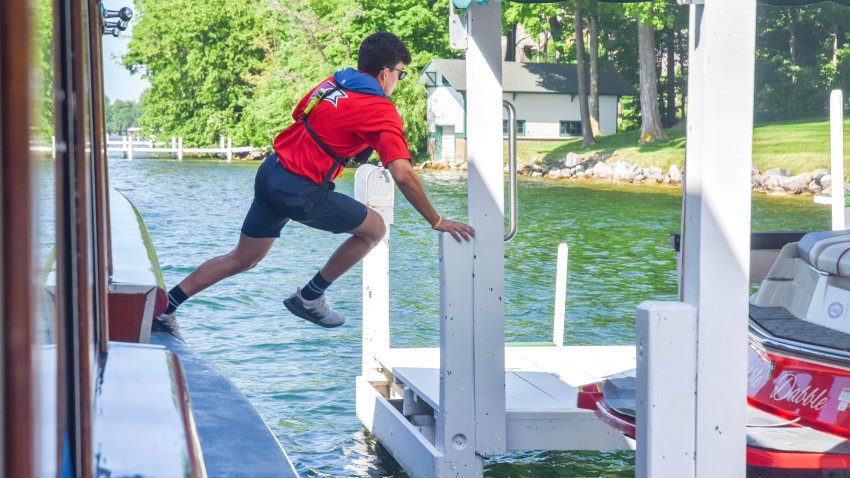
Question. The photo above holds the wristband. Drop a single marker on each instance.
(437, 224)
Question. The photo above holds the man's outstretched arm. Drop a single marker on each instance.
(407, 180)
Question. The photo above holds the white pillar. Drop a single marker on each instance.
(180, 149)
(130, 149)
(229, 148)
(836, 140)
(455, 419)
(375, 188)
(716, 225)
(486, 215)
(174, 145)
(666, 389)
(560, 294)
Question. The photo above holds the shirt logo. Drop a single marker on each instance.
(331, 97)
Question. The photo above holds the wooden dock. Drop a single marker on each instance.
(439, 411)
(541, 393)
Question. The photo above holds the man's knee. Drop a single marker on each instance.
(372, 230)
(245, 260)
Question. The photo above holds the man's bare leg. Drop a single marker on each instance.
(308, 303)
(363, 239)
(248, 252)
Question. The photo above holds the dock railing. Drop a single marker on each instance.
(132, 146)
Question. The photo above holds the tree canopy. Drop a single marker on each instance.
(237, 68)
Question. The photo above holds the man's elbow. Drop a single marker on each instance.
(403, 176)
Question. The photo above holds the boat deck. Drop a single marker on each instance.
(540, 390)
(234, 438)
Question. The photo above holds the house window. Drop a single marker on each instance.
(570, 128)
(520, 128)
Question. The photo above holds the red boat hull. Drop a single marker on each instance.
(811, 394)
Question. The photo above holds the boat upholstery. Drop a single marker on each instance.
(827, 251)
(781, 324)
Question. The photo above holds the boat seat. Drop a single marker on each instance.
(827, 251)
(780, 323)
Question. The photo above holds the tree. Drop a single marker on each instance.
(199, 58)
(122, 114)
(593, 100)
(581, 69)
(649, 17)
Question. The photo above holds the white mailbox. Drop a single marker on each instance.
(374, 187)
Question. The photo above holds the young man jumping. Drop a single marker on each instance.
(347, 115)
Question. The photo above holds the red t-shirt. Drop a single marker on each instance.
(347, 122)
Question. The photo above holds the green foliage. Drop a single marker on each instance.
(198, 58)
(42, 53)
(231, 67)
(122, 114)
(238, 67)
(801, 54)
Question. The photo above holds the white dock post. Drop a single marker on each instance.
(716, 225)
(374, 187)
(666, 389)
(53, 147)
(486, 215)
(836, 140)
(124, 145)
(180, 148)
(229, 148)
(455, 420)
(221, 142)
(174, 146)
(560, 294)
(130, 149)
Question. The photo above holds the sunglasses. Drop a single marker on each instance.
(401, 73)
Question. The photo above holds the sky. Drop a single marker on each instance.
(117, 81)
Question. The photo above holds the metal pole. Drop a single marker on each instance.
(560, 294)
(836, 137)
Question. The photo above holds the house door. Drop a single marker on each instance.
(447, 142)
(438, 143)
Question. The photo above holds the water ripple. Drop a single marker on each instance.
(301, 378)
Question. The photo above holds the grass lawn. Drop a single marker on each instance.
(799, 146)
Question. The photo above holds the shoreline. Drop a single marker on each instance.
(773, 182)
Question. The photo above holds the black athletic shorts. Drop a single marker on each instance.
(281, 195)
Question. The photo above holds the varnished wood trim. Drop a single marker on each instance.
(101, 180)
(16, 292)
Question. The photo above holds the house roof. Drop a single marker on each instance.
(531, 77)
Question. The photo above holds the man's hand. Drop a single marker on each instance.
(457, 229)
(408, 182)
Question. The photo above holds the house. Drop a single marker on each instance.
(545, 96)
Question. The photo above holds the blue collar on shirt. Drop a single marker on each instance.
(358, 82)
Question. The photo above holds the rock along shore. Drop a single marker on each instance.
(602, 167)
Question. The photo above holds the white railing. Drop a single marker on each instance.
(130, 147)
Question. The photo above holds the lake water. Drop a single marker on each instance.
(301, 377)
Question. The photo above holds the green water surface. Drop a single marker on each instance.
(301, 377)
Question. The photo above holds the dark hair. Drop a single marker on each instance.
(381, 50)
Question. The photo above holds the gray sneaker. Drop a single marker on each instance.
(167, 323)
(316, 311)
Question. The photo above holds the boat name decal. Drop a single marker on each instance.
(786, 389)
(757, 376)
